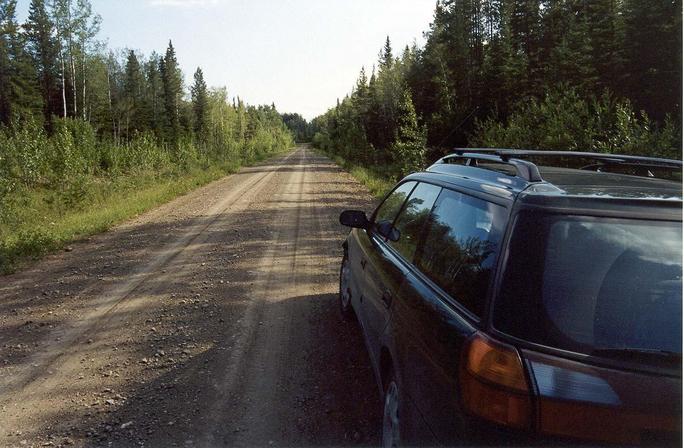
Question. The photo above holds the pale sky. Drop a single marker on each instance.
(299, 54)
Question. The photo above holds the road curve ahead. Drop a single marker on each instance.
(209, 321)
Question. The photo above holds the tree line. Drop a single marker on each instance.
(600, 75)
(71, 108)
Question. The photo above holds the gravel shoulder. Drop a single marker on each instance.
(209, 321)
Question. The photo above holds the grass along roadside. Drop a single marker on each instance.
(376, 183)
(40, 224)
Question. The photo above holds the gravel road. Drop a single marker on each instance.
(209, 321)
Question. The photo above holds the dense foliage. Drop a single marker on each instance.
(69, 108)
(299, 127)
(600, 75)
(79, 121)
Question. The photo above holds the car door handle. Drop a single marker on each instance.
(363, 263)
(387, 299)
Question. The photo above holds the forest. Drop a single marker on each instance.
(82, 126)
(599, 75)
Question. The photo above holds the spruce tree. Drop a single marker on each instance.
(154, 94)
(5, 64)
(653, 55)
(42, 49)
(408, 149)
(200, 104)
(133, 98)
(19, 96)
(173, 90)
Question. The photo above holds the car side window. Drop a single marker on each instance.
(412, 218)
(388, 210)
(462, 239)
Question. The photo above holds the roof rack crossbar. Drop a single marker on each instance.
(605, 157)
(524, 168)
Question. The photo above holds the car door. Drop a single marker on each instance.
(441, 301)
(388, 261)
(365, 260)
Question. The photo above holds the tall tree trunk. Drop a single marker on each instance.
(111, 108)
(64, 104)
(72, 65)
(83, 74)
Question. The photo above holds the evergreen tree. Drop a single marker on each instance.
(173, 90)
(133, 94)
(408, 148)
(6, 15)
(653, 55)
(154, 94)
(200, 104)
(42, 49)
(605, 30)
(19, 95)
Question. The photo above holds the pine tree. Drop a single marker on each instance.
(200, 104)
(653, 55)
(173, 89)
(408, 149)
(19, 96)
(154, 94)
(526, 30)
(43, 52)
(385, 57)
(566, 46)
(605, 29)
(6, 13)
(133, 98)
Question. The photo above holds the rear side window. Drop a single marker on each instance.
(390, 207)
(412, 218)
(461, 242)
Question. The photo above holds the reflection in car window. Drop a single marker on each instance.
(388, 210)
(582, 284)
(461, 242)
(413, 216)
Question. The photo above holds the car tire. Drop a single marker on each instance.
(346, 309)
(391, 413)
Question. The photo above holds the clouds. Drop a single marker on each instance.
(183, 3)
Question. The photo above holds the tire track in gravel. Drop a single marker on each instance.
(38, 373)
(248, 350)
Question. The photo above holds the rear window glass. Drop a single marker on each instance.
(591, 285)
(461, 242)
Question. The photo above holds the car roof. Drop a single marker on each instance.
(575, 182)
(563, 187)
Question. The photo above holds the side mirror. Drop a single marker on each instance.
(354, 218)
(387, 230)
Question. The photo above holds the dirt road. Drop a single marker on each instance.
(210, 321)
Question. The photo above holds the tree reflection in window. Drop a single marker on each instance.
(411, 220)
(460, 247)
(390, 207)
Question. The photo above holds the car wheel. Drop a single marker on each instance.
(390, 415)
(345, 290)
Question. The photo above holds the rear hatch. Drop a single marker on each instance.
(595, 306)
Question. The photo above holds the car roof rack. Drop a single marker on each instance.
(529, 171)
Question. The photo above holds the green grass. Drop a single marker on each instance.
(39, 221)
(376, 183)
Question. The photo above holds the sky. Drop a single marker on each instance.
(299, 54)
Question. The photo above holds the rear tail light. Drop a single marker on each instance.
(493, 383)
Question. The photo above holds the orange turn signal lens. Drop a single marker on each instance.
(493, 384)
(496, 363)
